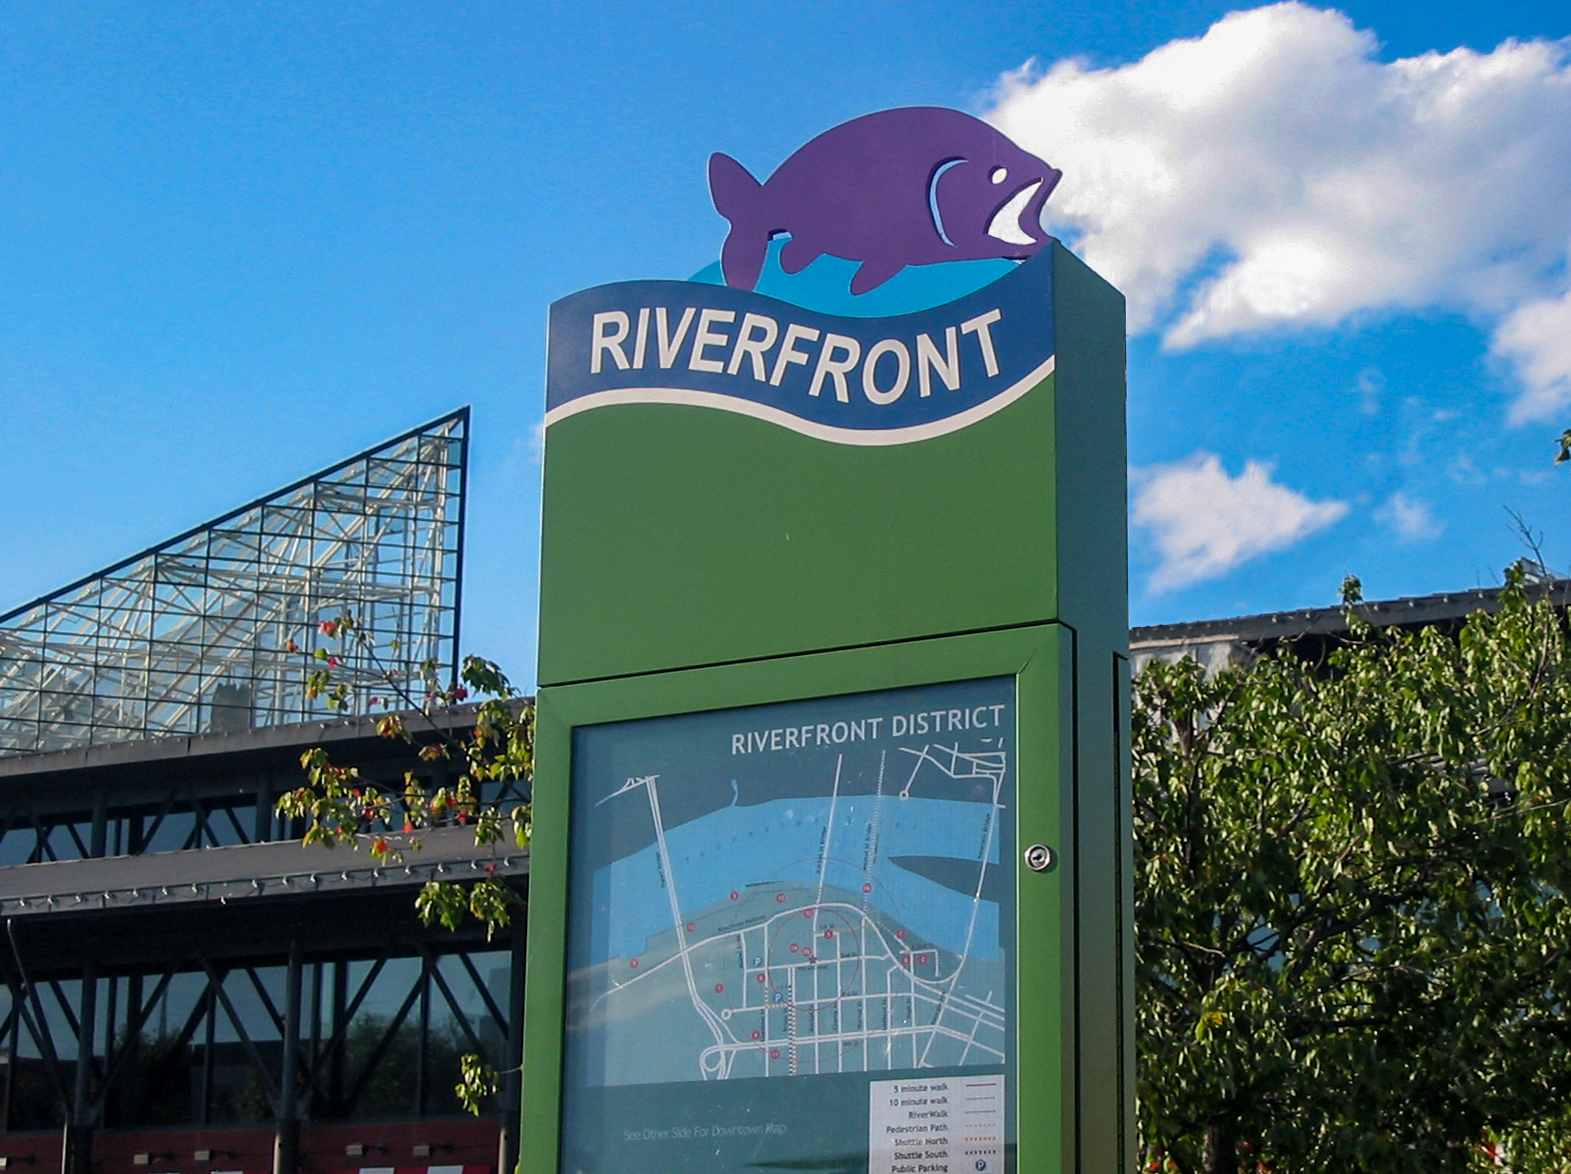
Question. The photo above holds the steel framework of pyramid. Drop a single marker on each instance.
(215, 630)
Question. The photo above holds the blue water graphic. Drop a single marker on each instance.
(778, 841)
(825, 285)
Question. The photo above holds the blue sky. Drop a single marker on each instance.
(241, 241)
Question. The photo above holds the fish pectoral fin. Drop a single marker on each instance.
(796, 255)
(873, 274)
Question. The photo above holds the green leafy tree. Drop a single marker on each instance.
(1353, 944)
(340, 807)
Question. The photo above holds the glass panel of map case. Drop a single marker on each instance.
(790, 936)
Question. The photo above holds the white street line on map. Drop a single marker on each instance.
(704, 1012)
(829, 831)
(981, 874)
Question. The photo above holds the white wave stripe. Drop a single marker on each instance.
(774, 415)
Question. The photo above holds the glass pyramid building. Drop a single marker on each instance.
(215, 630)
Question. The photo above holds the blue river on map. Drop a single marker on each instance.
(778, 841)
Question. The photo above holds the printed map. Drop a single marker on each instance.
(796, 889)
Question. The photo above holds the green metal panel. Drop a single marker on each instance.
(725, 538)
(1039, 657)
(675, 536)
(1092, 577)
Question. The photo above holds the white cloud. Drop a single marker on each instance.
(1370, 383)
(1464, 471)
(1205, 523)
(1409, 518)
(1537, 339)
(1275, 172)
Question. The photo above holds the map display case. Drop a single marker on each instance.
(818, 894)
(781, 782)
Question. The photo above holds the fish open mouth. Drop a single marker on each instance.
(1017, 222)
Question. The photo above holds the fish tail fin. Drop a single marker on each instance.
(735, 193)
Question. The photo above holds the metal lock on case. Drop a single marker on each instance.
(1040, 858)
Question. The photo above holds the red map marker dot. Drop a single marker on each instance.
(758, 1035)
(774, 1053)
(735, 894)
(780, 897)
(922, 958)
(901, 934)
(760, 978)
(807, 912)
(633, 962)
(829, 933)
(795, 947)
(905, 959)
(719, 988)
(867, 888)
(691, 927)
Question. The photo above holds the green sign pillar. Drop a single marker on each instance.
(830, 868)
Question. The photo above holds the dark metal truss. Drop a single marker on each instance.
(194, 635)
(97, 1045)
(40, 825)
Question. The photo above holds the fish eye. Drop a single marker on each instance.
(998, 174)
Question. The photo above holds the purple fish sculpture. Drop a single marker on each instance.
(912, 186)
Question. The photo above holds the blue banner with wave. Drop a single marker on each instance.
(849, 380)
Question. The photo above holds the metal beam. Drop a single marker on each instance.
(286, 1138)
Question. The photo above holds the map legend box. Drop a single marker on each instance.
(942, 1125)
